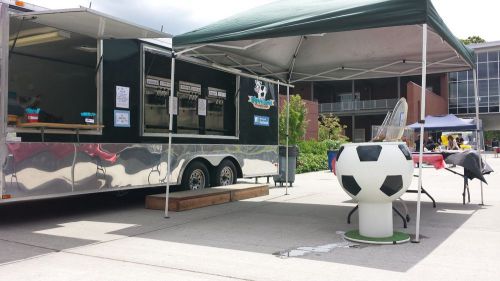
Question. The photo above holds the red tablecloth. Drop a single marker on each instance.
(433, 159)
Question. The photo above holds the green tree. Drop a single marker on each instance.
(331, 129)
(331, 132)
(298, 122)
(473, 40)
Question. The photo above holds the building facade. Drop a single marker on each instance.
(461, 85)
(361, 104)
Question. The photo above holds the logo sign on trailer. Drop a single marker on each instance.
(261, 120)
(260, 100)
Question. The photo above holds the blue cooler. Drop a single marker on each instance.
(331, 155)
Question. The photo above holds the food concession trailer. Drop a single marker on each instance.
(85, 107)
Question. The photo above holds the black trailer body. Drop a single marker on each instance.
(84, 112)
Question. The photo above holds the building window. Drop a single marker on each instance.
(493, 56)
(461, 86)
(482, 57)
(482, 70)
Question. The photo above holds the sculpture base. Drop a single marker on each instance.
(396, 238)
(375, 219)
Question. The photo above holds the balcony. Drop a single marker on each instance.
(358, 106)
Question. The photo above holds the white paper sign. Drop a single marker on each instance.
(122, 118)
(202, 107)
(173, 106)
(122, 97)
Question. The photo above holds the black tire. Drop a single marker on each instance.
(196, 176)
(225, 174)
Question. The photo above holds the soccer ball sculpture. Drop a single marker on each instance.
(375, 174)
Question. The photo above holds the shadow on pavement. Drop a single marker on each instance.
(254, 226)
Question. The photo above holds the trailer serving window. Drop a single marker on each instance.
(54, 76)
(206, 97)
(156, 89)
(55, 66)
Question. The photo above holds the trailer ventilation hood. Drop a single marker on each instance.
(91, 23)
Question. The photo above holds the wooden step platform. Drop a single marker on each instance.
(192, 199)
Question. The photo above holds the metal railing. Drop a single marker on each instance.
(357, 105)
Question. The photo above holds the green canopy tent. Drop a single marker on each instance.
(325, 40)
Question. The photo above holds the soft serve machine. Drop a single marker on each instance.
(214, 124)
(187, 117)
(156, 93)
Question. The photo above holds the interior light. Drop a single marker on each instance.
(40, 38)
(20, 3)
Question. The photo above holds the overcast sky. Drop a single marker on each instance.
(464, 18)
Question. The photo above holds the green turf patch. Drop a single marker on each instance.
(396, 238)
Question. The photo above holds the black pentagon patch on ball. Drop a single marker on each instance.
(351, 185)
(338, 154)
(392, 185)
(369, 153)
(405, 151)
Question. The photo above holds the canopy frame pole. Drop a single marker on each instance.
(238, 47)
(422, 120)
(170, 125)
(287, 133)
(240, 65)
(223, 46)
(429, 64)
(190, 49)
(294, 58)
(374, 71)
(197, 54)
(316, 75)
(439, 63)
(478, 138)
(371, 70)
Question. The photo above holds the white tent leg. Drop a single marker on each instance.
(422, 118)
(170, 125)
(287, 132)
(478, 138)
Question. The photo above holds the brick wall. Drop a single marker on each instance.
(312, 115)
(434, 104)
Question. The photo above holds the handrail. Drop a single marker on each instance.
(357, 105)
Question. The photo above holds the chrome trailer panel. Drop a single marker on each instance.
(41, 170)
(4, 78)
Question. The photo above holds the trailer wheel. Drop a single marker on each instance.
(196, 176)
(225, 174)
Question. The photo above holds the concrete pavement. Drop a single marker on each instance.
(101, 237)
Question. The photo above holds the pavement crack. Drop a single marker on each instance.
(158, 266)
(30, 245)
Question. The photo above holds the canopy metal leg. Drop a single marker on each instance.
(422, 118)
(287, 133)
(170, 126)
(478, 128)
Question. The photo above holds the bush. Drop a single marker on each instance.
(313, 155)
(309, 162)
(312, 147)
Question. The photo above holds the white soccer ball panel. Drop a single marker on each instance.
(382, 180)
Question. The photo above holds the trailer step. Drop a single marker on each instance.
(193, 199)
